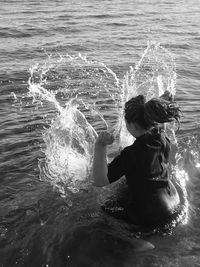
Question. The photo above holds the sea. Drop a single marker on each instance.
(66, 69)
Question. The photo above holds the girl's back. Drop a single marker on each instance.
(151, 197)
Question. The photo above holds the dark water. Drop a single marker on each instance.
(38, 226)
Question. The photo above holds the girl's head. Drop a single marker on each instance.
(151, 113)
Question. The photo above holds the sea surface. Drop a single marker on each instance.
(50, 52)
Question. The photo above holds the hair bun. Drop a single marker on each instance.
(158, 110)
(151, 113)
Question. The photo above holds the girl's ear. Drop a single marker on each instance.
(129, 126)
(136, 126)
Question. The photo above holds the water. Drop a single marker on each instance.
(50, 213)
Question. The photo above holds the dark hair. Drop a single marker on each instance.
(151, 113)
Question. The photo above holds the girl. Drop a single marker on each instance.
(151, 198)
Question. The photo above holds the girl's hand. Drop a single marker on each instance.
(104, 139)
(167, 96)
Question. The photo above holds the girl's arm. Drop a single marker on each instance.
(100, 168)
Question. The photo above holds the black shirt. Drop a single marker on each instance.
(144, 164)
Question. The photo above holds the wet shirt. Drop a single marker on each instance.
(144, 164)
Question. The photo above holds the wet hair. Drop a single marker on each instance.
(151, 113)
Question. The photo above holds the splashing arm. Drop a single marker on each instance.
(100, 168)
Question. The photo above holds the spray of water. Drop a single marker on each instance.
(80, 103)
(69, 148)
(152, 76)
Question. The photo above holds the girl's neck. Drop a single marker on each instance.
(140, 133)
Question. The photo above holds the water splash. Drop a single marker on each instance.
(79, 103)
(85, 97)
(186, 174)
(152, 76)
(69, 148)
